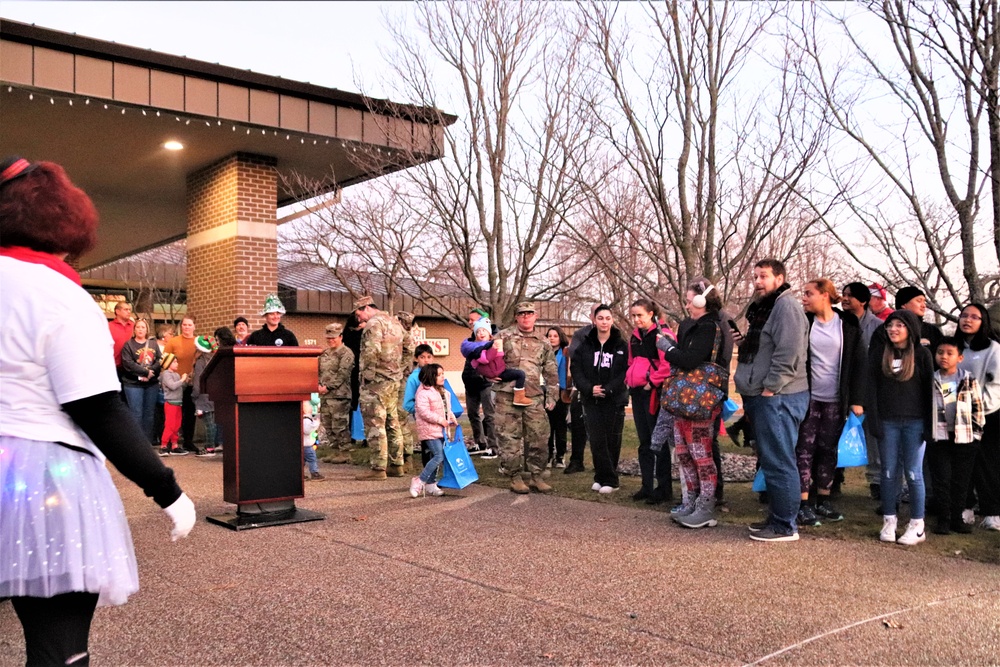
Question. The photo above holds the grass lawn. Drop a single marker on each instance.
(742, 506)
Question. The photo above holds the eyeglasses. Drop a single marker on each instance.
(970, 316)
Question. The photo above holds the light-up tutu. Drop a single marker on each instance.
(62, 525)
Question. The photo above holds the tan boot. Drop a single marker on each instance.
(520, 400)
(395, 471)
(371, 475)
(540, 485)
(517, 485)
(338, 458)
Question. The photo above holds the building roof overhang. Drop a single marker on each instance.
(104, 111)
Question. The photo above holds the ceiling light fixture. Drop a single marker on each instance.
(173, 145)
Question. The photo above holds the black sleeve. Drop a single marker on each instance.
(108, 422)
(295, 341)
(698, 351)
(615, 385)
(579, 375)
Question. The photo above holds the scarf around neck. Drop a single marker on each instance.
(58, 265)
(757, 315)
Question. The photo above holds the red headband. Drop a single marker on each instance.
(17, 168)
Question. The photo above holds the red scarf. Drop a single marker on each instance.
(44, 258)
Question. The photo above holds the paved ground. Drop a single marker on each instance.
(485, 577)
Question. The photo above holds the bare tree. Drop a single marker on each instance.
(934, 67)
(701, 112)
(494, 205)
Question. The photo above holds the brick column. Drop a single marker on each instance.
(232, 247)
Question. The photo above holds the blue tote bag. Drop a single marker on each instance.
(357, 425)
(759, 485)
(852, 450)
(459, 471)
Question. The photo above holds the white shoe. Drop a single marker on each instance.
(968, 516)
(915, 533)
(416, 487)
(433, 490)
(888, 533)
(607, 489)
(991, 523)
(596, 486)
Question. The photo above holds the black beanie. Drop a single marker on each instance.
(906, 295)
(859, 291)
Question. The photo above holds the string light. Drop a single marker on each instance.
(123, 110)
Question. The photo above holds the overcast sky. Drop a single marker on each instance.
(320, 42)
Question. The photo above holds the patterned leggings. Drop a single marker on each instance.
(816, 450)
(693, 447)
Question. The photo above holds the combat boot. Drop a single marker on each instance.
(338, 458)
(395, 471)
(517, 485)
(539, 484)
(371, 475)
(520, 400)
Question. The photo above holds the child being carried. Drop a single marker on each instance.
(486, 356)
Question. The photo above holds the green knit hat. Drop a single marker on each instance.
(272, 304)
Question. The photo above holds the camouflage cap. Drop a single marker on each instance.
(526, 307)
(334, 330)
(405, 318)
(363, 301)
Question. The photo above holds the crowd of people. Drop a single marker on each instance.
(802, 367)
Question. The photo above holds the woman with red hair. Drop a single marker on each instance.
(60, 418)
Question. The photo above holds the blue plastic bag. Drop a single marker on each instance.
(852, 450)
(357, 425)
(759, 486)
(459, 471)
(729, 408)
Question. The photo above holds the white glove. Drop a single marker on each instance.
(181, 512)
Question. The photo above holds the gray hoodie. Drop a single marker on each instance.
(780, 362)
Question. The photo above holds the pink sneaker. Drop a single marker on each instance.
(433, 490)
(416, 487)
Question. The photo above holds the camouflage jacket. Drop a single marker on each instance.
(381, 357)
(531, 353)
(335, 368)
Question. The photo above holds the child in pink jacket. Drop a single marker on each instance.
(433, 417)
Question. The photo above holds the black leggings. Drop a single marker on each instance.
(56, 629)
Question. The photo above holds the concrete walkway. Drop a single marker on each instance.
(485, 577)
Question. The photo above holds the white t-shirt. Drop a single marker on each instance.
(826, 343)
(55, 348)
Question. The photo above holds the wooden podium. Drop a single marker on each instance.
(258, 394)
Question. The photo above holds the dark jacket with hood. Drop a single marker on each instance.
(280, 337)
(594, 363)
(853, 362)
(890, 399)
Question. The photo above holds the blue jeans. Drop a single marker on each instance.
(310, 455)
(142, 405)
(902, 446)
(437, 458)
(775, 421)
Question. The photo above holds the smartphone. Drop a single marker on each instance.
(735, 329)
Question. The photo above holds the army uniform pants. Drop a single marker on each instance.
(380, 411)
(334, 416)
(405, 428)
(522, 434)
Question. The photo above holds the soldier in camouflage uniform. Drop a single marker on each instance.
(523, 433)
(381, 365)
(335, 366)
(405, 428)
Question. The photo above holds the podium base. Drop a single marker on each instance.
(258, 517)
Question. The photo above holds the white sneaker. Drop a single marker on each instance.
(416, 487)
(968, 516)
(433, 490)
(888, 533)
(991, 523)
(596, 486)
(607, 489)
(915, 533)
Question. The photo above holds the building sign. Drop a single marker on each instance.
(439, 345)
